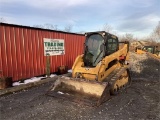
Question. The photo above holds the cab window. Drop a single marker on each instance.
(112, 46)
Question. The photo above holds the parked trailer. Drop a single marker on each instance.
(22, 50)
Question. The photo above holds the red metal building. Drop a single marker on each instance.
(22, 50)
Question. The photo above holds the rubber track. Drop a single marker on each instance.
(115, 75)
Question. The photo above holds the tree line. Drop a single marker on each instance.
(153, 37)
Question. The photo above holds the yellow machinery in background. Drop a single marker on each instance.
(151, 50)
(98, 73)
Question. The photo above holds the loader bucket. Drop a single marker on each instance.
(80, 90)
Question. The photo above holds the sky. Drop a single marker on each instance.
(138, 17)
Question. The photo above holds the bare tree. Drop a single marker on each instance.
(68, 28)
(47, 26)
(38, 26)
(81, 32)
(107, 28)
(157, 30)
(155, 35)
(55, 27)
(129, 36)
(2, 19)
(50, 26)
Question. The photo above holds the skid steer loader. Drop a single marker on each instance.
(101, 71)
(151, 50)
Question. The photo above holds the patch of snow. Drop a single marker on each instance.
(60, 92)
(34, 79)
(70, 70)
(42, 77)
(52, 75)
(17, 83)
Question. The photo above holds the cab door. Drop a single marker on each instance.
(112, 45)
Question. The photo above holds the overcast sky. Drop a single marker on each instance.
(138, 17)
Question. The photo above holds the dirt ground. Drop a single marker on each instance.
(141, 101)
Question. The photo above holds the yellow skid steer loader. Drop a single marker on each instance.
(98, 73)
(151, 50)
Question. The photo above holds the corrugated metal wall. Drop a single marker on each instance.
(22, 50)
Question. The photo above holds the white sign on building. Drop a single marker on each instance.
(53, 47)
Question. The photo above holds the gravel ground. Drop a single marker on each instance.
(141, 101)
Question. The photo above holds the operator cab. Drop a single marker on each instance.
(148, 49)
(97, 46)
(151, 49)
